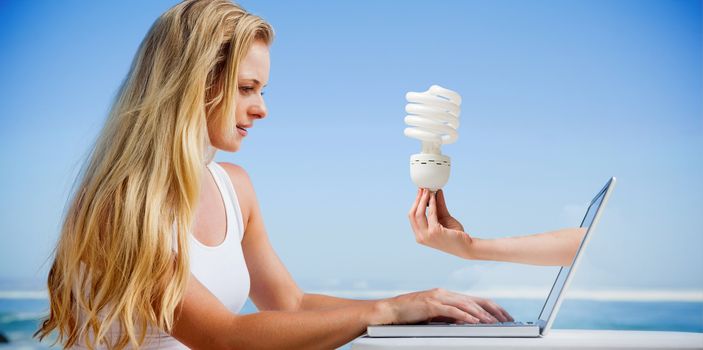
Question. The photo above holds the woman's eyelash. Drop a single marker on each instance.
(248, 89)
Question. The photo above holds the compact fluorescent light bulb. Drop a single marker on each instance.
(433, 117)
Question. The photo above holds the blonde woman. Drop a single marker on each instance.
(161, 246)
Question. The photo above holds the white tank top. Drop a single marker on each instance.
(221, 268)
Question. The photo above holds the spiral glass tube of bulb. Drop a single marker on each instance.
(433, 117)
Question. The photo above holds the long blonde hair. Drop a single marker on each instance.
(114, 263)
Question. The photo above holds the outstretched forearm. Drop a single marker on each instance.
(555, 248)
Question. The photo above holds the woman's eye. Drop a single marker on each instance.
(246, 89)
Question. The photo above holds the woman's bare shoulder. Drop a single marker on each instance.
(242, 185)
(235, 171)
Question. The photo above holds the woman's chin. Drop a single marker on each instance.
(233, 146)
(228, 145)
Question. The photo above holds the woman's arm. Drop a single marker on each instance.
(320, 302)
(273, 288)
(203, 322)
(436, 228)
(293, 320)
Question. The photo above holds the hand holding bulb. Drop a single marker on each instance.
(435, 227)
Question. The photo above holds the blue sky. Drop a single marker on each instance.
(557, 97)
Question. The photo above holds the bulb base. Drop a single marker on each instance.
(430, 171)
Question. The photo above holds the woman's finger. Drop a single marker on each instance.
(441, 204)
(420, 218)
(432, 212)
(411, 214)
(494, 318)
(411, 217)
(417, 200)
(496, 312)
(506, 314)
(495, 309)
(470, 306)
(481, 313)
(466, 304)
(443, 310)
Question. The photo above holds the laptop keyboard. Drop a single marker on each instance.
(514, 323)
(506, 324)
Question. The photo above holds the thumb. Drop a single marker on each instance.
(441, 205)
(432, 212)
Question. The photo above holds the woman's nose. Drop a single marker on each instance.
(258, 109)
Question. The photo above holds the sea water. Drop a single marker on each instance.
(19, 318)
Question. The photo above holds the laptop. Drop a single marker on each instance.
(537, 328)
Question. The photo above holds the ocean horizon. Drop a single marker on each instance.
(642, 310)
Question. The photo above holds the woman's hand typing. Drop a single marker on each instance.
(438, 304)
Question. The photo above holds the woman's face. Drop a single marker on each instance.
(253, 77)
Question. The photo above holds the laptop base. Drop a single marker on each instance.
(518, 330)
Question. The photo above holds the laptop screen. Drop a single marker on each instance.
(593, 208)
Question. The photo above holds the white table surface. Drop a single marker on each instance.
(556, 339)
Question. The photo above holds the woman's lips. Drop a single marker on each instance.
(242, 131)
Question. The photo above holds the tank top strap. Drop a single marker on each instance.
(230, 196)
